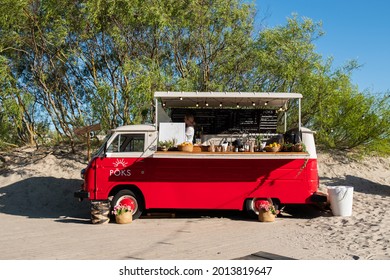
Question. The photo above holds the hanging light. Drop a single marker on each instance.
(207, 104)
(164, 104)
(220, 104)
(238, 105)
(197, 104)
(253, 104)
(181, 98)
(265, 103)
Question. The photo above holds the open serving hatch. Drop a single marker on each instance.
(170, 99)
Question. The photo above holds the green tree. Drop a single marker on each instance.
(207, 44)
(343, 117)
(34, 41)
(66, 64)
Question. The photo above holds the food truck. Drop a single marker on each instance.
(238, 157)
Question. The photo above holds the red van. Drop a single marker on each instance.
(130, 169)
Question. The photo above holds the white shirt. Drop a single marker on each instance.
(190, 134)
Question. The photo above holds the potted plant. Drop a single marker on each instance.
(299, 147)
(288, 147)
(260, 143)
(166, 145)
(267, 211)
(123, 214)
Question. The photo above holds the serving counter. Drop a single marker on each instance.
(232, 155)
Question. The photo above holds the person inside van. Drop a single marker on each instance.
(190, 130)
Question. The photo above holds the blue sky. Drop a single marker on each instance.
(354, 29)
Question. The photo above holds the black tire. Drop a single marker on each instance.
(250, 209)
(100, 212)
(137, 200)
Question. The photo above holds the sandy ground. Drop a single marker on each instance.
(40, 219)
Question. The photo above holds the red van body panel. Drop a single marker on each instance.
(205, 183)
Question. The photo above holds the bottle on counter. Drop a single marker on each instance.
(246, 146)
(252, 146)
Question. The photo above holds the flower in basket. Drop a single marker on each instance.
(120, 209)
(267, 206)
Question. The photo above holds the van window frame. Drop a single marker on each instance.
(126, 140)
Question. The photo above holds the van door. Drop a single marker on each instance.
(123, 163)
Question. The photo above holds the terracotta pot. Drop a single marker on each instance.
(124, 218)
(266, 216)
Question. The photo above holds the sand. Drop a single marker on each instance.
(40, 219)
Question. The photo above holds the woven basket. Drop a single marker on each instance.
(272, 149)
(196, 149)
(205, 148)
(186, 148)
(124, 218)
(266, 216)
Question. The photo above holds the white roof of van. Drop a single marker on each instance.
(135, 128)
(176, 99)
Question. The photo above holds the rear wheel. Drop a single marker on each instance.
(128, 197)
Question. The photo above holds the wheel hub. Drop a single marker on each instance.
(129, 201)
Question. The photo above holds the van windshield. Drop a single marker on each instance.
(100, 151)
(127, 143)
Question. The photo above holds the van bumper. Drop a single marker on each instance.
(318, 197)
(81, 194)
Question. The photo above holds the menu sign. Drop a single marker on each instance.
(268, 121)
(217, 121)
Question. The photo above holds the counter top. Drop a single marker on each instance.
(232, 155)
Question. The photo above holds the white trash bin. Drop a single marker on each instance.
(341, 200)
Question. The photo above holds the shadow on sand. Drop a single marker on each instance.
(49, 197)
(296, 211)
(359, 185)
(44, 197)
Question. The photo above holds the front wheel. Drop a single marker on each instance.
(128, 197)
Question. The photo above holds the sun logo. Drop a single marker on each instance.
(120, 162)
